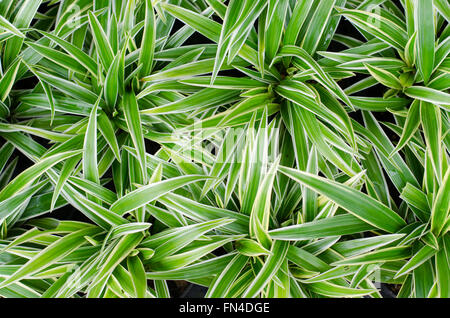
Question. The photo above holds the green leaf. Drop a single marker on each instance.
(411, 125)
(22, 20)
(441, 205)
(205, 26)
(430, 95)
(5, 24)
(169, 242)
(442, 267)
(332, 226)
(269, 269)
(322, 77)
(148, 41)
(101, 41)
(430, 116)
(384, 77)
(194, 271)
(298, 18)
(360, 205)
(71, 89)
(113, 81)
(317, 25)
(107, 130)
(34, 172)
(333, 290)
(120, 251)
(425, 253)
(51, 254)
(443, 7)
(203, 212)
(204, 98)
(10, 205)
(260, 213)
(151, 192)
(137, 272)
(378, 256)
(90, 168)
(75, 52)
(190, 256)
(251, 248)
(133, 119)
(363, 245)
(66, 171)
(275, 28)
(424, 13)
(223, 283)
(8, 79)
(379, 26)
(58, 57)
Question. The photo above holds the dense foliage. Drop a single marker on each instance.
(259, 148)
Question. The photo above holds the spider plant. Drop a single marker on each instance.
(292, 148)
